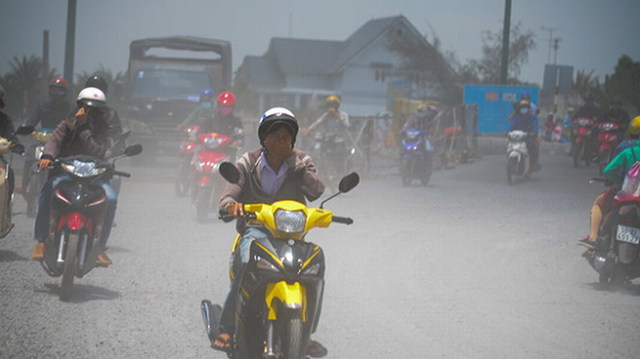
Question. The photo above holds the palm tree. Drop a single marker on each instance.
(24, 83)
(585, 83)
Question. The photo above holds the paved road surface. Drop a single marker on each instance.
(467, 267)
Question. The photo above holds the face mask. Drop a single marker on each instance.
(524, 111)
(225, 110)
(206, 105)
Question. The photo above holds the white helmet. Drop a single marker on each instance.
(91, 97)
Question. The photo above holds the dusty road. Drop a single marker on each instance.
(467, 267)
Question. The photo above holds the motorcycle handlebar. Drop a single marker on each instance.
(345, 220)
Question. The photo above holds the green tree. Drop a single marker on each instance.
(487, 68)
(624, 83)
(24, 84)
(424, 65)
(585, 83)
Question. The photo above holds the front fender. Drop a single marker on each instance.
(292, 296)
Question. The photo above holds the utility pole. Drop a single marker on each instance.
(70, 44)
(550, 41)
(505, 42)
(556, 46)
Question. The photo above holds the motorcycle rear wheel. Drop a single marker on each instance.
(69, 271)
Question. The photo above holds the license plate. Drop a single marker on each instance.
(628, 234)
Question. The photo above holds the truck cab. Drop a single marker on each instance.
(166, 76)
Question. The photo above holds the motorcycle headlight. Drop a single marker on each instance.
(212, 142)
(263, 264)
(83, 169)
(290, 221)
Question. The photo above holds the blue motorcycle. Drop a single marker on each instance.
(416, 157)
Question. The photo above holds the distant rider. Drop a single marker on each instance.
(7, 131)
(224, 122)
(203, 111)
(85, 133)
(274, 172)
(526, 121)
(48, 115)
(332, 124)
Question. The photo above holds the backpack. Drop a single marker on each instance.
(631, 184)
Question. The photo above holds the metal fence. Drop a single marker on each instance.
(374, 140)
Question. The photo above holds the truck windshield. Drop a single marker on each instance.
(170, 84)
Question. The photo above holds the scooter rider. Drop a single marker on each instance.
(614, 172)
(274, 172)
(422, 118)
(526, 121)
(7, 131)
(86, 133)
(48, 115)
(109, 114)
(618, 115)
(203, 111)
(224, 122)
(333, 123)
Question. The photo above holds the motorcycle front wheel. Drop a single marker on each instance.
(182, 179)
(604, 158)
(406, 172)
(203, 204)
(512, 167)
(33, 191)
(426, 173)
(578, 153)
(69, 271)
(292, 343)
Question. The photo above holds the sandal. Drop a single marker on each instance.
(316, 350)
(222, 342)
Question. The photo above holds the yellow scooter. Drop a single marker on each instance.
(279, 303)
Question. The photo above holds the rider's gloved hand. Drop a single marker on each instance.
(44, 163)
(235, 209)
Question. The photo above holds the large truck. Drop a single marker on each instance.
(166, 76)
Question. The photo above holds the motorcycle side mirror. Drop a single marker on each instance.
(229, 172)
(24, 130)
(133, 150)
(348, 182)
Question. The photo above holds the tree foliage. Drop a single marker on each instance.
(24, 84)
(487, 68)
(424, 65)
(624, 83)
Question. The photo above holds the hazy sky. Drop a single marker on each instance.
(594, 33)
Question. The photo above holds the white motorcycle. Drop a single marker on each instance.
(518, 161)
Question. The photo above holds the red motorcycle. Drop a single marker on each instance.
(206, 182)
(608, 140)
(188, 147)
(582, 133)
